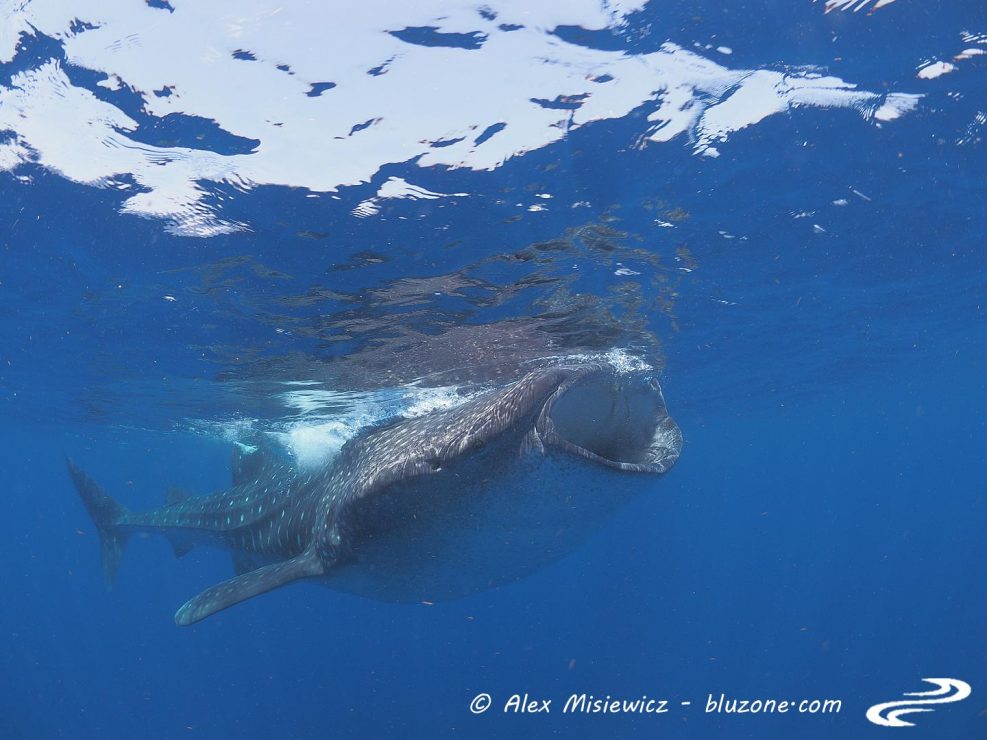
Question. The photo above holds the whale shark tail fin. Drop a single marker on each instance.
(106, 515)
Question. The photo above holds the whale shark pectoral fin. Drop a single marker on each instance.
(248, 585)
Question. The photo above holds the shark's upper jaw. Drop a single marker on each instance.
(615, 420)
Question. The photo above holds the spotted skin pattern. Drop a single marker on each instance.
(300, 523)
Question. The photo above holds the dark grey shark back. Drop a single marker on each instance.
(421, 446)
(404, 508)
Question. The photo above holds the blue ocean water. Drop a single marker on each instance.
(777, 206)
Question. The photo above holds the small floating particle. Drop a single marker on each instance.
(428, 603)
(572, 663)
(841, 202)
(80, 532)
(169, 298)
(817, 229)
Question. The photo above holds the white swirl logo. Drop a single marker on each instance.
(949, 690)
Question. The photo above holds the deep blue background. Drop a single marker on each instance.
(822, 535)
(826, 548)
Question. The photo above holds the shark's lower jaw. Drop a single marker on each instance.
(616, 420)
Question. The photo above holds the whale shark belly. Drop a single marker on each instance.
(462, 531)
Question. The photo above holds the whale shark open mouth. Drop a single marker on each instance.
(616, 420)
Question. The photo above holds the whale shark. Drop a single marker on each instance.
(423, 509)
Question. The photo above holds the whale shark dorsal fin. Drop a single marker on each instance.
(176, 495)
(249, 462)
(248, 585)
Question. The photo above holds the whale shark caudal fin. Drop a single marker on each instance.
(248, 585)
(105, 513)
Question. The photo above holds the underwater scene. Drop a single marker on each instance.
(583, 368)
